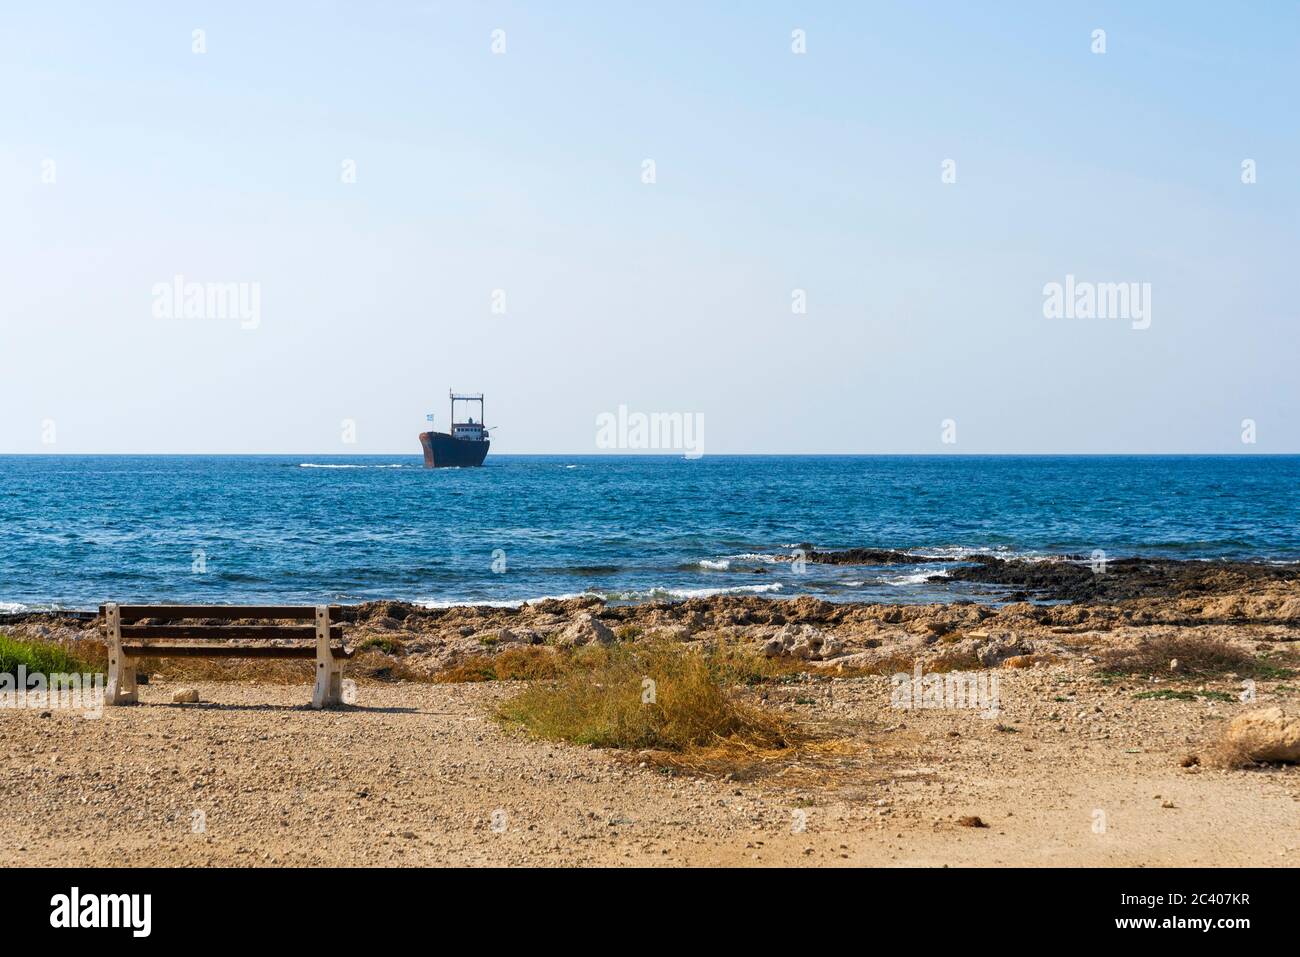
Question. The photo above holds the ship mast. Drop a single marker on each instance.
(466, 397)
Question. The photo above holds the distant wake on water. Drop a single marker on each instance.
(337, 465)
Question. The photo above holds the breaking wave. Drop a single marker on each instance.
(649, 594)
(490, 603)
(917, 578)
(633, 595)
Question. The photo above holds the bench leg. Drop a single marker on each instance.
(329, 670)
(329, 684)
(121, 681)
(121, 670)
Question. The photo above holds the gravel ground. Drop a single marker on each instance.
(1072, 772)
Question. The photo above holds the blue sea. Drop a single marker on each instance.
(79, 530)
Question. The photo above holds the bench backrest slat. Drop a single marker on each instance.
(131, 613)
(228, 632)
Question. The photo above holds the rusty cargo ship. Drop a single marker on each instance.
(466, 445)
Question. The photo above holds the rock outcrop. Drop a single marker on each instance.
(584, 629)
(1266, 734)
(804, 642)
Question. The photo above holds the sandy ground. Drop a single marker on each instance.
(1075, 770)
(1072, 772)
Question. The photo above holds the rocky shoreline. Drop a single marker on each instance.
(1073, 606)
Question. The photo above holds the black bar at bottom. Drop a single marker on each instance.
(294, 906)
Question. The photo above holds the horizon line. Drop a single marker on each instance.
(669, 455)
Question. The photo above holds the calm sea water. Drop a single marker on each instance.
(79, 530)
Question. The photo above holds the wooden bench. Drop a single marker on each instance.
(131, 631)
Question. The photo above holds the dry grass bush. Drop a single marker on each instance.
(656, 696)
(1227, 755)
(954, 661)
(897, 662)
(528, 663)
(747, 666)
(809, 762)
(1197, 657)
(1246, 748)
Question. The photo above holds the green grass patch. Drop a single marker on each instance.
(1169, 694)
(41, 657)
(389, 646)
(1270, 672)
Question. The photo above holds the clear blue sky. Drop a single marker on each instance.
(775, 171)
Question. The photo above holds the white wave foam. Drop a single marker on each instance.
(760, 557)
(469, 603)
(488, 603)
(12, 607)
(648, 594)
(711, 592)
(917, 578)
(957, 551)
(1006, 552)
(717, 565)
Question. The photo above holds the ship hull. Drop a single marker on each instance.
(443, 451)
